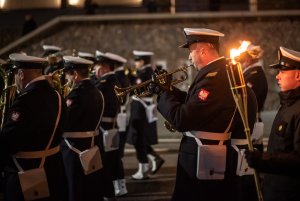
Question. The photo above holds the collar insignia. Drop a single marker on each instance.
(15, 116)
(69, 102)
(249, 84)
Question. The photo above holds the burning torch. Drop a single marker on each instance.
(239, 93)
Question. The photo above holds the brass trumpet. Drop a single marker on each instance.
(142, 89)
(57, 80)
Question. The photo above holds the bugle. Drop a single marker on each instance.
(142, 89)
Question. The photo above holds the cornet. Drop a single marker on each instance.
(142, 89)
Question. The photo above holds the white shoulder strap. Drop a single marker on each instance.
(50, 141)
(55, 127)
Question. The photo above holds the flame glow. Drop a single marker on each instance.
(236, 52)
(73, 2)
(2, 3)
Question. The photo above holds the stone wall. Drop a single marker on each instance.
(163, 36)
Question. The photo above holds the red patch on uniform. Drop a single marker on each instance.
(69, 102)
(15, 116)
(203, 94)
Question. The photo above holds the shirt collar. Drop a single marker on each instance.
(120, 68)
(256, 64)
(42, 77)
(214, 60)
(109, 73)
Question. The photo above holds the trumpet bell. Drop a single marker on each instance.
(121, 93)
(142, 89)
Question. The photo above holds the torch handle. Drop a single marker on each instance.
(239, 93)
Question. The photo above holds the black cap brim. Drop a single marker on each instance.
(275, 66)
(29, 65)
(284, 67)
(186, 45)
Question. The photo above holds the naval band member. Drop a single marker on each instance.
(205, 114)
(50, 49)
(109, 140)
(33, 132)
(54, 55)
(122, 122)
(142, 131)
(85, 105)
(254, 75)
(87, 55)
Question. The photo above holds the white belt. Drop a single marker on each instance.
(83, 134)
(208, 135)
(147, 99)
(239, 141)
(108, 119)
(37, 154)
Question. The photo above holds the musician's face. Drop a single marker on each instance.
(196, 55)
(19, 77)
(97, 69)
(139, 63)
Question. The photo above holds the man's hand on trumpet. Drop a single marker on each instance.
(160, 82)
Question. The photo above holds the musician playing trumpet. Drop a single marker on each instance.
(206, 116)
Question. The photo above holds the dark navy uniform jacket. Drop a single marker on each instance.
(29, 127)
(255, 78)
(106, 85)
(139, 128)
(282, 161)
(245, 189)
(208, 106)
(85, 105)
(121, 77)
(123, 80)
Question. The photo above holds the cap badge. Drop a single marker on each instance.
(280, 128)
(69, 102)
(249, 84)
(15, 116)
(203, 94)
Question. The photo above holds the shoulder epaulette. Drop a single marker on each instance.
(22, 94)
(103, 81)
(212, 74)
(126, 71)
(253, 72)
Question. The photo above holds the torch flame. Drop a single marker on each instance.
(236, 52)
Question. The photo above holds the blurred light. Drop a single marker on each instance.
(2, 3)
(73, 2)
(118, 2)
(28, 4)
